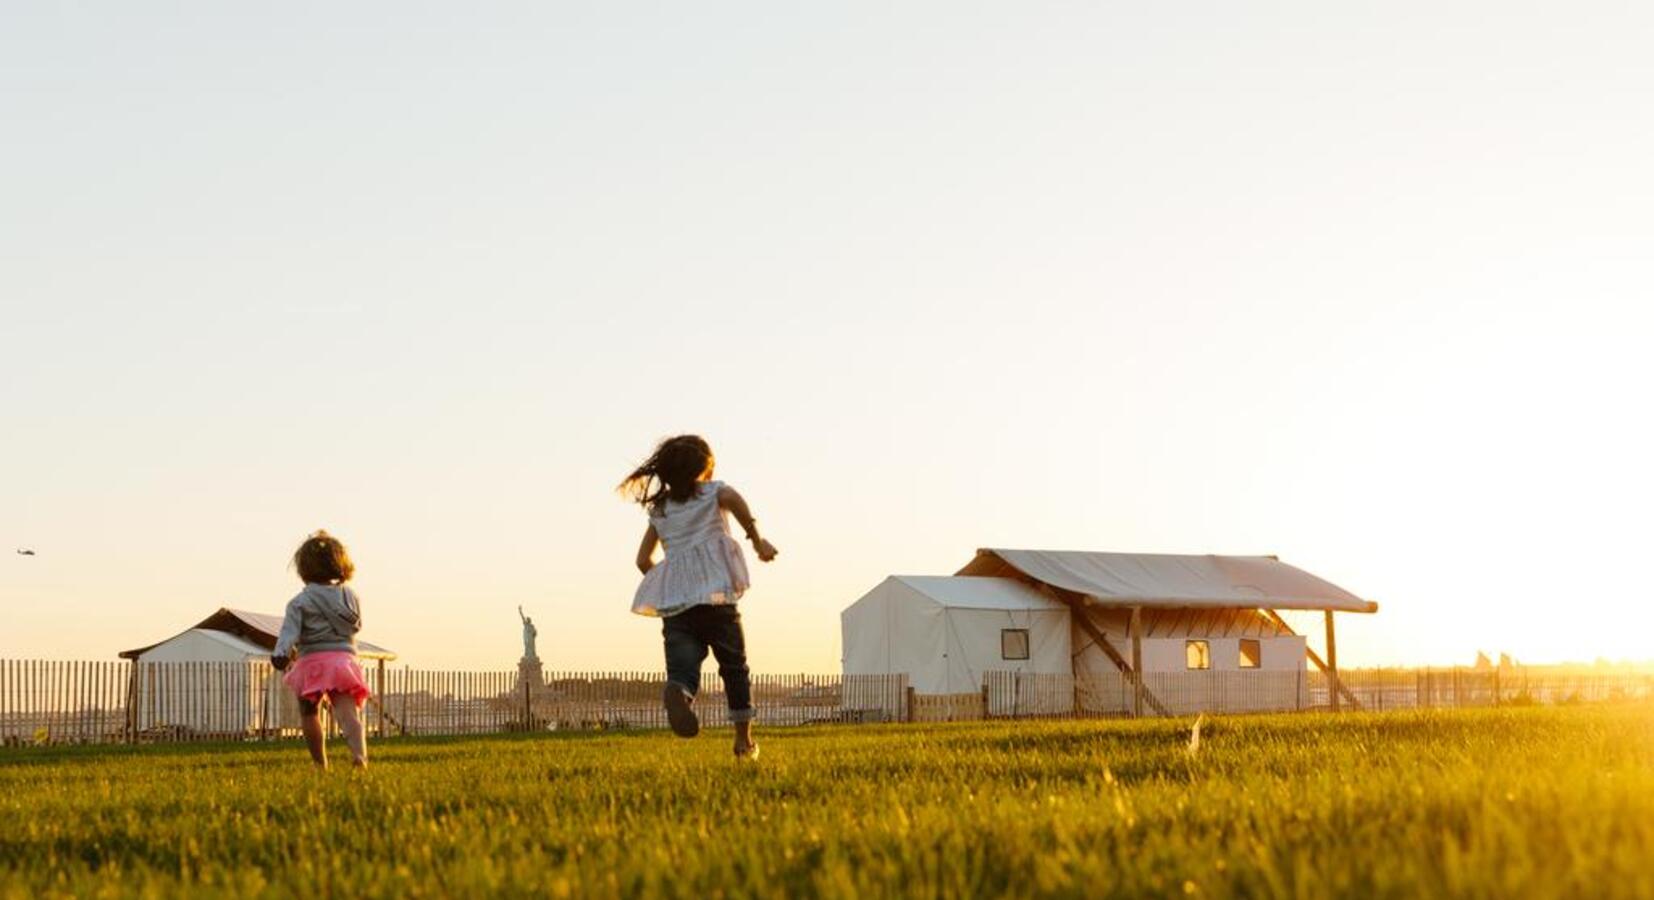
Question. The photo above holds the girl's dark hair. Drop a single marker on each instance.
(672, 472)
(321, 559)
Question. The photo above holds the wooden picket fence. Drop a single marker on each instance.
(52, 701)
(1025, 695)
(422, 702)
(49, 701)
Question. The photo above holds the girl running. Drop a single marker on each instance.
(321, 624)
(695, 588)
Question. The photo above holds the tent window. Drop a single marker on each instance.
(1013, 643)
(1251, 655)
(1198, 654)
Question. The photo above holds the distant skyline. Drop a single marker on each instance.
(1363, 287)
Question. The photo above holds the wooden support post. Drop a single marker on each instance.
(1136, 628)
(380, 691)
(1332, 663)
(1315, 658)
(1081, 618)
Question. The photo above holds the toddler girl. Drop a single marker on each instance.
(321, 623)
(695, 587)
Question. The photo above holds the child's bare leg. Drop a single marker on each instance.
(350, 724)
(310, 721)
(743, 738)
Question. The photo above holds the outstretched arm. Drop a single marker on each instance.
(732, 502)
(288, 636)
(646, 550)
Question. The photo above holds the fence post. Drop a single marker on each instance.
(132, 702)
(264, 683)
(908, 696)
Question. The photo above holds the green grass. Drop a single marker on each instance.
(1493, 803)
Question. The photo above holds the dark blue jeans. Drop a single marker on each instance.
(694, 631)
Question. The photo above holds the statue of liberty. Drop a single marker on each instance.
(529, 634)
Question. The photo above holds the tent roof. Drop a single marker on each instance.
(979, 593)
(235, 642)
(1169, 580)
(255, 628)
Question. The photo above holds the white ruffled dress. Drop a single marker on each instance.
(703, 564)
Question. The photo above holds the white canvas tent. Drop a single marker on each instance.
(1171, 633)
(944, 633)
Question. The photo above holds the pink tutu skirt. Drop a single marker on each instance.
(328, 672)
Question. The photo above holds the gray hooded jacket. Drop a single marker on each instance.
(321, 617)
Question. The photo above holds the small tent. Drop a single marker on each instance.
(944, 633)
(216, 677)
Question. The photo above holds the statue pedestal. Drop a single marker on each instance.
(529, 696)
(530, 673)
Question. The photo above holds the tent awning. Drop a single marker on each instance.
(1169, 580)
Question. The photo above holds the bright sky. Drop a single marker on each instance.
(1363, 285)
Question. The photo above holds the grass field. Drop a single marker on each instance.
(1537, 802)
